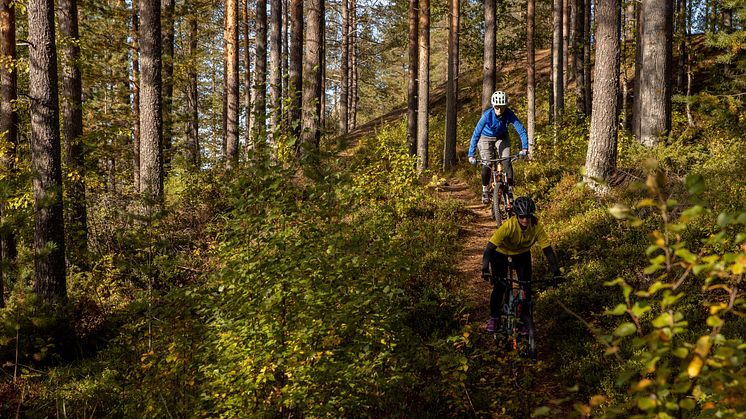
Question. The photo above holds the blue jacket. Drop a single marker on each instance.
(490, 125)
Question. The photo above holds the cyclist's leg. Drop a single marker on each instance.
(503, 150)
(499, 267)
(486, 152)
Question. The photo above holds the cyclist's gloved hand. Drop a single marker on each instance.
(486, 276)
(523, 153)
(472, 160)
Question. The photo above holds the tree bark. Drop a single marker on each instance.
(412, 87)
(531, 74)
(260, 75)
(344, 84)
(8, 127)
(640, 23)
(558, 93)
(135, 54)
(354, 96)
(490, 52)
(587, 28)
(72, 111)
(248, 87)
(655, 88)
(565, 43)
(295, 70)
(192, 131)
(46, 164)
(151, 122)
(167, 43)
(311, 133)
(232, 82)
(579, 40)
(602, 146)
(275, 60)
(449, 151)
(423, 96)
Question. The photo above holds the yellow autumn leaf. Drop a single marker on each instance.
(694, 367)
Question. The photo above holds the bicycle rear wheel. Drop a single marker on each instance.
(496, 204)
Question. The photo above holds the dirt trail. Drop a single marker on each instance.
(474, 238)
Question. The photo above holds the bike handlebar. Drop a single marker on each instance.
(514, 157)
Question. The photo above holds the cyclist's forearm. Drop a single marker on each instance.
(490, 254)
(552, 258)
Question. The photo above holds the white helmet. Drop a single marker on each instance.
(499, 98)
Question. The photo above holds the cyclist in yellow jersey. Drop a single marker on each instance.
(514, 238)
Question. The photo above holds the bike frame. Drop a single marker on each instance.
(501, 204)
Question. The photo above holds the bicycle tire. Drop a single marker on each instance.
(496, 199)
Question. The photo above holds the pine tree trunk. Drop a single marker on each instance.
(9, 130)
(655, 74)
(192, 132)
(311, 132)
(248, 87)
(449, 152)
(558, 93)
(295, 80)
(151, 122)
(682, 35)
(72, 111)
(490, 52)
(412, 87)
(46, 164)
(587, 28)
(565, 44)
(423, 96)
(602, 145)
(260, 75)
(344, 84)
(531, 74)
(354, 96)
(135, 54)
(579, 42)
(275, 63)
(167, 43)
(232, 82)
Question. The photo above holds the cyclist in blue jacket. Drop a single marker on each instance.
(491, 135)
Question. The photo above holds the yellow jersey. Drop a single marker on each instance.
(510, 239)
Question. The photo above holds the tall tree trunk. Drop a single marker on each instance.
(72, 111)
(167, 43)
(344, 84)
(151, 121)
(558, 93)
(8, 128)
(490, 52)
(681, 35)
(248, 87)
(449, 152)
(636, 116)
(412, 87)
(275, 62)
(587, 28)
(192, 131)
(354, 96)
(311, 132)
(295, 70)
(531, 74)
(423, 96)
(135, 54)
(655, 89)
(46, 164)
(602, 147)
(627, 33)
(260, 75)
(579, 40)
(322, 98)
(565, 43)
(232, 82)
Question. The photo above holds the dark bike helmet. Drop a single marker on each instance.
(524, 207)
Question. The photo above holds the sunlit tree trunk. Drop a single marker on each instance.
(423, 95)
(531, 74)
(412, 83)
(72, 109)
(46, 164)
(558, 93)
(449, 152)
(344, 84)
(232, 82)
(135, 54)
(167, 43)
(275, 61)
(260, 75)
(192, 97)
(311, 132)
(655, 88)
(151, 122)
(8, 129)
(295, 80)
(490, 51)
(602, 146)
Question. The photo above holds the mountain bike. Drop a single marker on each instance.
(501, 201)
(517, 314)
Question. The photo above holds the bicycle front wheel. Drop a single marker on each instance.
(496, 203)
